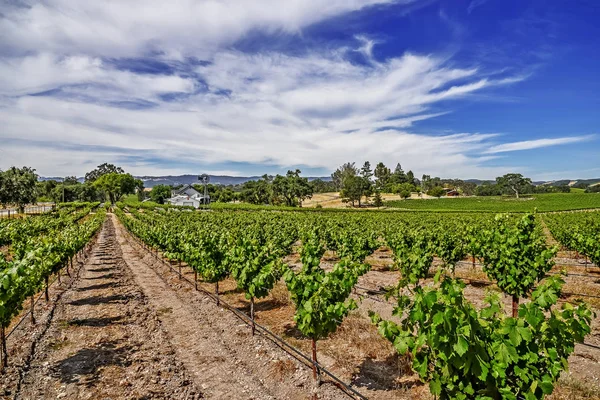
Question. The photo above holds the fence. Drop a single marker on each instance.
(29, 210)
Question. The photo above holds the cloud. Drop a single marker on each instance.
(317, 110)
(536, 144)
(138, 27)
(166, 91)
(474, 4)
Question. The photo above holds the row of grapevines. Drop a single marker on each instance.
(466, 353)
(578, 232)
(34, 260)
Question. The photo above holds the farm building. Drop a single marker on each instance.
(188, 196)
(451, 192)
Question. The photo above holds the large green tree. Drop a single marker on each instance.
(116, 185)
(382, 176)
(103, 169)
(160, 193)
(354, 188)
(515, 183)
(18, 187)
(342, 173)
(291, 188)
(258, 192)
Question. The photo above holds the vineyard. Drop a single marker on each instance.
(379, 304)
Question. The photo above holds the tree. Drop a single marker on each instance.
(366, 171)
(354, 188)
(257, 192)
(139, 189)
(116, 185)
(382, 176)
(468, 188)
(593, 189)
(321, 186)
(44, 188)
(18, 186)
(160, 193)
(345, 171)
(103, 169)
(70, 180)
(292, 188)
(410, 177)
(398, 176)
(377, 200)
(404, 190)
(517, 183)
(436, 191)
(488, 189)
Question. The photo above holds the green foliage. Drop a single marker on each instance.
(593, 189)
(339, 176)
(413, 254)
(577, 232)
(382, 176)
(18, 187)
(404, 189)
(321, 298)
(354, 188)
(257, 192)
(116, 185)
(160, 193)
(516, 256)
(40, 247)
(255, 264)
(514, 183)
(102, 169)
(436, 191)
(468, 354)
(292, 189)
(377, 200)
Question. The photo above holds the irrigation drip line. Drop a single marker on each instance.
(279, 341)
(590, 265)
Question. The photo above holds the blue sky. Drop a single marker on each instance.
(467, 89)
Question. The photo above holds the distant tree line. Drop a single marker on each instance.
(289, 190)
(20, 186)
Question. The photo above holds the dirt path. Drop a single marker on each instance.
(213, 344)
(104, 340)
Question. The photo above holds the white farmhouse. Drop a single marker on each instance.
(188, 196)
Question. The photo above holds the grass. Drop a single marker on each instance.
(543, 202)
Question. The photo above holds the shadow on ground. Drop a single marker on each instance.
(392, 373)
(82, 367)
(95, 300)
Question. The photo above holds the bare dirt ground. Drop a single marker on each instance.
(119, 330)
(334, 200)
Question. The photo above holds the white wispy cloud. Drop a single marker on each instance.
(316, 109)
(536, 144)
(136, 27)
